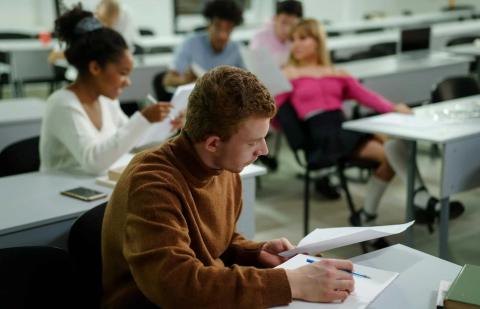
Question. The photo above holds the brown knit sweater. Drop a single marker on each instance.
(169, 238)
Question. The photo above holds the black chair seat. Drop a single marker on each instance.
(20, 157)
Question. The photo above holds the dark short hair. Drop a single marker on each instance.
(222, 99)
(223, 9)
(290, 7)
(102, 45)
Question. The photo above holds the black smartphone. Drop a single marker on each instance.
(84, 194)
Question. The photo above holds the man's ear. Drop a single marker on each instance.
(94, 68)
(211, 143)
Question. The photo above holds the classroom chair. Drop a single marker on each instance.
(298, 140)
(160, 91)
(36, 277)
(84, 246)
(20, 157)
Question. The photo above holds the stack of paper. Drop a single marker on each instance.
(366, 289)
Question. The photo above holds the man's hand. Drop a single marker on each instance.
(269, 255)
(323, 281)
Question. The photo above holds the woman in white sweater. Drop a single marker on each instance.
(84, 130)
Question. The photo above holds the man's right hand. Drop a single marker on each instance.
(323, 281)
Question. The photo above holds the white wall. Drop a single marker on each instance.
(158, 14)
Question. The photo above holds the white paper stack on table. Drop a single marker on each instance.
(260, 63)
(366, 289)
(161, 131)
(321, 240)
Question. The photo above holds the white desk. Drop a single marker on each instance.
(28, 60)
(460, 140)
(32, 211)
(399, 21)
(442, 33)
(19, 119)
(420, 274)
(408, 80)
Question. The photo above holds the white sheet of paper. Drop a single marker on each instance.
(366, 290)
(260, 63)
(321, 240)
(160, 131)
(197, 69)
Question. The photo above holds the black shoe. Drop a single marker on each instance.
(325, 188)
(356, 218)
(270, 162)
(429, 214)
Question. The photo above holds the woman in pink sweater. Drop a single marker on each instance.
(319, 90)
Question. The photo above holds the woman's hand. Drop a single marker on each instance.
(179, 121)
(402, 108)
(157, 112)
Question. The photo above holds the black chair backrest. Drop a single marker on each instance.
(36, 277)
(462, 40)
(146, 32)
(160, 91)
(455, 87)
(292, 127)
(384, 49)
(20, 157)
(16, 36)
(84, 246)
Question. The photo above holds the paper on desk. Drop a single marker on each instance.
(260, 63)
(160, 131)
(366, 290)
(321, 240)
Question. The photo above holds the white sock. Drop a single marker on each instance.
(375, 189)
(397, 155)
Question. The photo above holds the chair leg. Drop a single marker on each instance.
(343, 183)
(306, 203)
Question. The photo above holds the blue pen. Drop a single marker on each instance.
(348, 271)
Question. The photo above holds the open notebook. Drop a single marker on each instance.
(366, 290)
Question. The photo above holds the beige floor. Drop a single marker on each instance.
(279, 210)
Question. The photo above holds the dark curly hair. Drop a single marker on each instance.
(222, 99)
(223, 9)
(290, 7)
(102, 45)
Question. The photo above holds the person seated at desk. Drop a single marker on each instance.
(84, 129)
(116, 16)
(169, 233)
(274, 35)
(319, 90)
(208, 49)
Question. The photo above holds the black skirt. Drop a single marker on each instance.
(329, 142)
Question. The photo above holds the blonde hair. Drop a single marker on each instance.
(313, 29)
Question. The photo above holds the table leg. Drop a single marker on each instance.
(409, 238)
(443, 237)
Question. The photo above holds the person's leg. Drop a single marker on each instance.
(377, 184)
(397, 154)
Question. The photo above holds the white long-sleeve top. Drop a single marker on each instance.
(70, 142)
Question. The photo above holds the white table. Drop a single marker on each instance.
(27, 60)
(442, 33)
(459, 138)
(399, 21)
(403, 79)
(20, 119)
(417, 284)
(32, 211)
